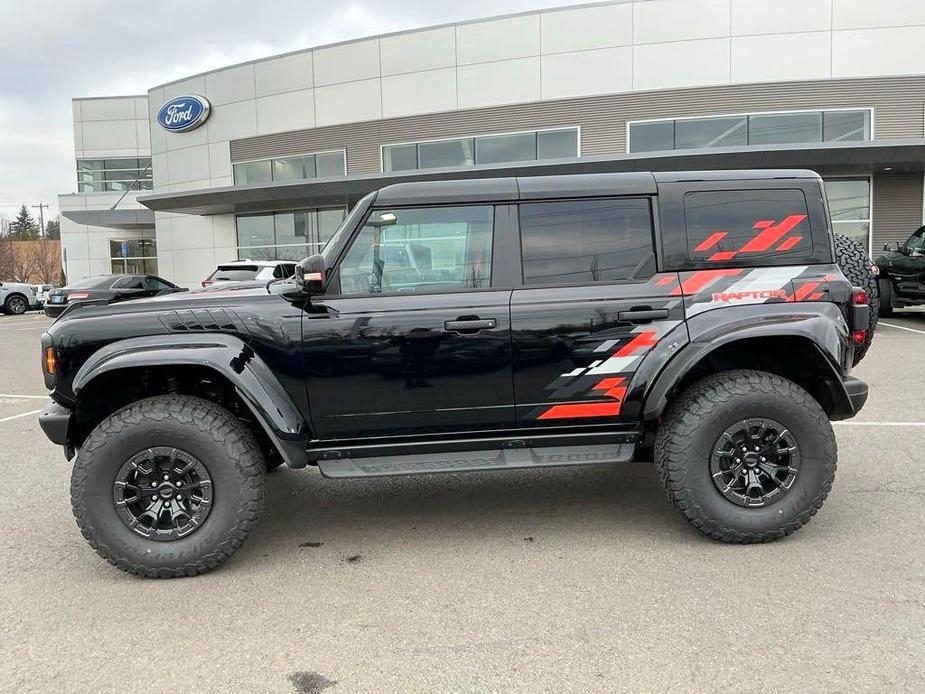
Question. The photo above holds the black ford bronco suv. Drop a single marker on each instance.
(487, 324)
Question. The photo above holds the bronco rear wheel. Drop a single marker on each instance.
(746, 456)
(168, 486)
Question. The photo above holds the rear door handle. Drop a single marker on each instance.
(470, 325)
(643, 315)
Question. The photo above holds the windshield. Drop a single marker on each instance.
(349, 222)
(92, 282)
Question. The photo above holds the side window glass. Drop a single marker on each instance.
(745, 227)
(420, 249)
(587, 241)
(916, 242)
(129, 283)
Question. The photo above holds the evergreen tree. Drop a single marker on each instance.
(53, 229)
(24, 228)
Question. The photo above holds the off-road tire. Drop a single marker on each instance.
(856, 266)
(886, 297)
(696, 419)
(16, 304)
(207, 431)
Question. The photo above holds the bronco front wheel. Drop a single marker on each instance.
(746, 456)
(168, 486)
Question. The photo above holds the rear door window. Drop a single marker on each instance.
(747, 227)
(584, 241)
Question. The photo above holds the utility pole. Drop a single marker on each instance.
(41, 207)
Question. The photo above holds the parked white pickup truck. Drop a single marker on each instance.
(17, 298)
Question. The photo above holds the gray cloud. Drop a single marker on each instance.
(54, 51)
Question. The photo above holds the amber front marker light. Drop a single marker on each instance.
(51, 361)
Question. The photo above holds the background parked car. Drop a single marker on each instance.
(17, 298)
(41, 290)
(244, 270)
(107, 289)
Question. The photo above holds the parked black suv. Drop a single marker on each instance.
(479, 325)
(902, 274)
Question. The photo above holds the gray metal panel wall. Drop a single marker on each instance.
(897, 208)
(897, 102)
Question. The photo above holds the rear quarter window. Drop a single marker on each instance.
(747, 227)
(586, 241)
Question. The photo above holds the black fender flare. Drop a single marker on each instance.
(228, 355)
(821, 323)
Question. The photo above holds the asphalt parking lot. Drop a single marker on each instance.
(569, 580)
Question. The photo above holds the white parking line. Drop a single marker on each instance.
(902, 327)
(17, 416)
(33, 397)
(880, 424)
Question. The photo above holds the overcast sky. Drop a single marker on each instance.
(54, 50)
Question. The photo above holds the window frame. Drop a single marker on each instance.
(655, 239)
(501, 278)
(745, 114)
(474, 137)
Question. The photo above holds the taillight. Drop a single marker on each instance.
(51, 361)
(859, 336)
(78, 295)
(860, 296)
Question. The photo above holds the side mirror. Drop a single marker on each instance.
(309, 275)
(892, 246)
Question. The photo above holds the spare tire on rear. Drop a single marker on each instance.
(856, 266)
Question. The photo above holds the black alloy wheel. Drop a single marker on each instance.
(755, 462)
(163, 493)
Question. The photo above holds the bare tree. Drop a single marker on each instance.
(45, 257)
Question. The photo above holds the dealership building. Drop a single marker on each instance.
(275, 151)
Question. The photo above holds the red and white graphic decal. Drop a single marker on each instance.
(614, 388)
(618, 361)
(769, 233)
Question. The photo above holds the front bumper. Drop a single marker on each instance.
(55, 421)
(856, 390)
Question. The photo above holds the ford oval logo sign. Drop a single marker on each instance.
(183, 113)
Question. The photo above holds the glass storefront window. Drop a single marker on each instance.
(711, 132)
(252, 172)
(750, 129)
(432, 155)
(846, 125)
(133, 256)
(295, 168)
(784, 128)
(331, 164)
(557, 144)
(400, 158)
(484, 149)
(501, 148)
(108, 175)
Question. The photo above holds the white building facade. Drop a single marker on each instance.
(292, 141)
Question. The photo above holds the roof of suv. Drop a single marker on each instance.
(571, 185)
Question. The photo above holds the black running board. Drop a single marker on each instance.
(463, 461)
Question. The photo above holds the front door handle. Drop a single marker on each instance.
(470, 325)
(643, 315)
